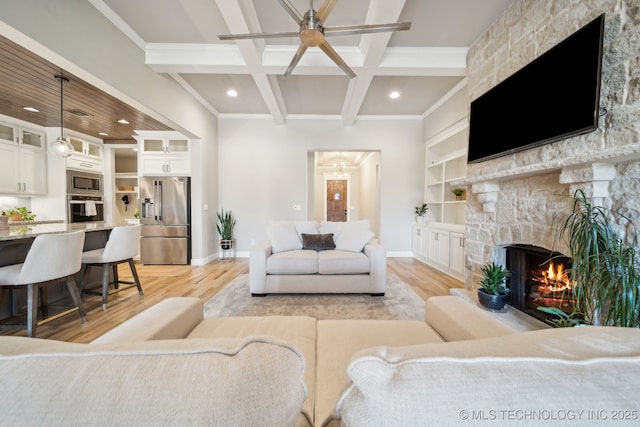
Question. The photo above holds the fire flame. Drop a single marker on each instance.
(555, 278)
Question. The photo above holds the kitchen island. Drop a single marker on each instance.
(15, 243)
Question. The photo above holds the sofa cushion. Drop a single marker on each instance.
(223, 382)
(299, 331)
(318, 242)
(457, 383)
(338, 340)
(283, 237)
(342, 262)
(293, 262)
(353, 237)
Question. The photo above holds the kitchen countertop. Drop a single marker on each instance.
(30, 229)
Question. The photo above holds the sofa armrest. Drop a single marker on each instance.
(258, 267)
(377, 267)
(171, 318)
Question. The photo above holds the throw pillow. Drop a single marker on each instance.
(283, 237)
(318, 242)
(353, 238)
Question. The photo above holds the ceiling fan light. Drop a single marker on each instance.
(311, 38)
(62, 147)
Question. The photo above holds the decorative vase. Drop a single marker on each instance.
(491, 302)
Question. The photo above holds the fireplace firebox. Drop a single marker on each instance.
(539, 278)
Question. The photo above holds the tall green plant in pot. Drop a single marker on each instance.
(226, 223)
(604, 266)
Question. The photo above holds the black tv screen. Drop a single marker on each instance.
(554, 97)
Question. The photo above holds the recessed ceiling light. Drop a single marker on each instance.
(123, 122)
(31, 109)
(394, 95)
(103, 134)
(232, 92)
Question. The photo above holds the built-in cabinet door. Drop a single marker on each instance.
(456, 263)
(9, 168)
(33, 166)
(439, 247)
(420, 242)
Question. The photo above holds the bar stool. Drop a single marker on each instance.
(52, 258)
(121, 247)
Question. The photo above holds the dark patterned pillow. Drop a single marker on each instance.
(318, 242)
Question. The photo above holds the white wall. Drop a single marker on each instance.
(77, 37)
(263, 171)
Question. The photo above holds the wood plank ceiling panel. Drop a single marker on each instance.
(29, 80)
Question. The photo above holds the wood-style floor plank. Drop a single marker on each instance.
(160, 282)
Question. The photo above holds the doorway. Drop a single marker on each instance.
(355, 176)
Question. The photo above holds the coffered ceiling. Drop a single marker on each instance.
(180, 38)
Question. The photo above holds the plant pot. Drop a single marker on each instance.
(492, 302)
(226, 244)
(460, 197)
(16, 217)
(419, 219)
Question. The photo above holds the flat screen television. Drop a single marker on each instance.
(554, 97)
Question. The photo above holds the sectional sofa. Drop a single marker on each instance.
(317, 257)
(461, 366)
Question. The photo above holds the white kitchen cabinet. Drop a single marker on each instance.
(164, 154)
(87, 155)
(23, 161)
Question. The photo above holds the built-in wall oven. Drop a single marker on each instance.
(85, 196)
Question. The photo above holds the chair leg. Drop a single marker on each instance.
(105, 285)
(116, 279)
(85, 272)
(32, 309)
(134, 272)
(77, 298)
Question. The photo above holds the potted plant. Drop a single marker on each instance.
(459, 193)
(493, 293)
(420, 211)
(225, 225)
(20, 214)
(603, 265)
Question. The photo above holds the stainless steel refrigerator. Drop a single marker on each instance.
(165, 215)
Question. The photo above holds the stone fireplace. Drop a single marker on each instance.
(520, 199)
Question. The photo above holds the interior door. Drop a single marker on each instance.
(337, 200)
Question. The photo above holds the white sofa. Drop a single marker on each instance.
(169, 366)
(317, 257)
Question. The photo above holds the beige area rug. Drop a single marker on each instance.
(399, 303)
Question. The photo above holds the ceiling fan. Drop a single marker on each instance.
(312, 32)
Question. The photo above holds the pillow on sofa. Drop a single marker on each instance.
(318, 242)
(353, 237)
(283, 237)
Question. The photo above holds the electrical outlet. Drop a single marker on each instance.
(297, 207)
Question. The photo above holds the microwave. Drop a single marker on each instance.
(84, 183)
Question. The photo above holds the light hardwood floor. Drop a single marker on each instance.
(159, 282)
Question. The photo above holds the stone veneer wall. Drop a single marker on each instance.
(517, 198)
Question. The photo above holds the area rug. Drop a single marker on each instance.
(400, 303)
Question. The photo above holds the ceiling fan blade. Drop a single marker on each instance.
(325, 9)
(258, 35)
(326, 48)
(291, 10)
(365, 29)
(296, 58)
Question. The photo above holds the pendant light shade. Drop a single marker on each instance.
(61, 146)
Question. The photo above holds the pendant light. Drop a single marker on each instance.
(61, 146)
